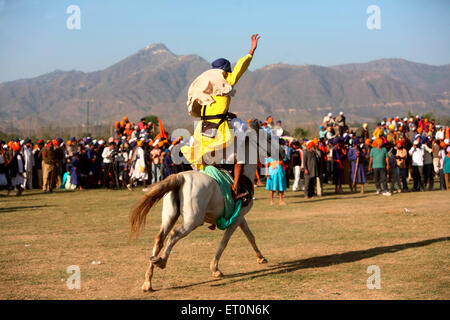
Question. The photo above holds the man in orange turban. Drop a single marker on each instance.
(311, 164)
(16, 166)
(379, 162)
(401, 155)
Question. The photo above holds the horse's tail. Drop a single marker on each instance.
(156, 192)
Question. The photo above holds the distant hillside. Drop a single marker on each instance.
(434, 79)
(155, 81)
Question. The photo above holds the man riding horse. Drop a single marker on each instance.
(209, 99)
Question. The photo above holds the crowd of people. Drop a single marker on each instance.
(136, 155)
(394, 152)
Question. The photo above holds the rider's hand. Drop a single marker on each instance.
(234, 192)
(255, 39)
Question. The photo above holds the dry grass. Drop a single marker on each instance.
(317, 249)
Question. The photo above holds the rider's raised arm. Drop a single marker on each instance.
(243, 63)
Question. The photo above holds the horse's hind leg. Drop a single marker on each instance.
(177, 234)
(251, 239)
(159, 243)
(169, 217)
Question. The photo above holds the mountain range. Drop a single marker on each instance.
(155, 81)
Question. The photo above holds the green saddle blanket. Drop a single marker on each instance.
(232, 208)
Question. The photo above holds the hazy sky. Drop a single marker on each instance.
(34, 38)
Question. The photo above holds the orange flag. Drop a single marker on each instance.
(161, 129)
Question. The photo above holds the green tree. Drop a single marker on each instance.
(300, 133)
(7, 137)
(153, 119)
(428, 115)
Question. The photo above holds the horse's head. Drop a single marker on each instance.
(266, 145)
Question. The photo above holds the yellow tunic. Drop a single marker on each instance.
(224, 136)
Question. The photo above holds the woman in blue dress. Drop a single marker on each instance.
(357, 154)
(276, 179)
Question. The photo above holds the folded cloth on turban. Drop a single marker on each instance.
(210, 83)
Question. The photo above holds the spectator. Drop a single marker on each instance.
(311, 166)
(446, 166)
(135, 135)
(75, 171)
(276, 180)
(28, 158)
(378, 132)
(142, 124)
(440, 135)
(155, 155)
(16, 167)
(139, 172)
(364, 132)
(327, 119)
(297, 165)
(277, 130)
(109, 177)
(357, 156)
(379, 162)
(122, 164)
(401, 154)
(322, 132)
(338, 167)
(428, 169)
(38, 164)
(169, 166)
(3, 180)
(320, 151)
(48, 158)
(417, 152)
(59, 161)
(340, 121)
(331, 134)
(394, 173)
(441, 157)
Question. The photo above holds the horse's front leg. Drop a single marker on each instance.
(251, 239)
(214, 266)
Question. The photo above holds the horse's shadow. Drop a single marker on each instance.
(314, 262)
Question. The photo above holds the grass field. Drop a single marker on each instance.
(317, 249)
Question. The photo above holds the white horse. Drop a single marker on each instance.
(197, 198)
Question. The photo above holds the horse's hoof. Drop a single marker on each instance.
(262, 260)
(217, 274)
(146, 287)
(159, 262)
